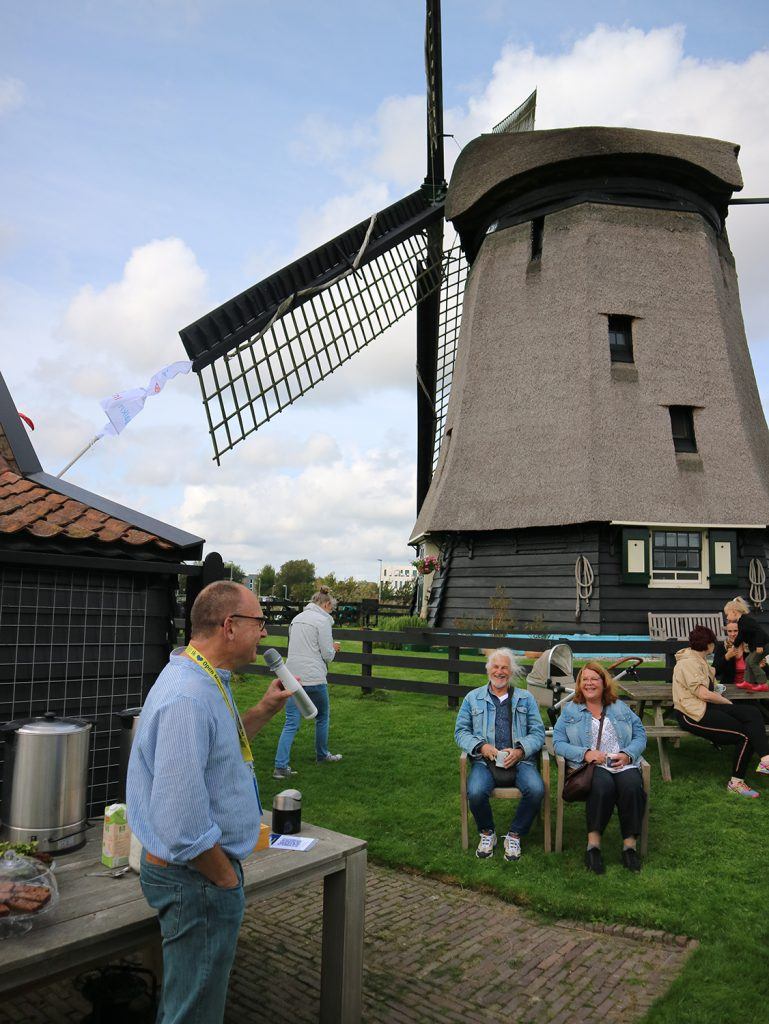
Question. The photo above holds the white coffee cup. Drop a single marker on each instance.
(500, 759)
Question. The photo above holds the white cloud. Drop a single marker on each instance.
(616, 77)
(133, 323)
(342, 514)
(12, 94)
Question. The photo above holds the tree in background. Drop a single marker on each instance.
(298, 577)
(234, 572)
(266, 576)
(398, 595)
(349, 589)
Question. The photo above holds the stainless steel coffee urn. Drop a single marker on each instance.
(45, 782)
(287, 812)
(129, 723)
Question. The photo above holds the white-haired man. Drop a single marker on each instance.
(499, 718)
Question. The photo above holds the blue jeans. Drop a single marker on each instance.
(199, 923)
(319, 696)
(481, 783)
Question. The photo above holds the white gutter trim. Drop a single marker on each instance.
(690, 526)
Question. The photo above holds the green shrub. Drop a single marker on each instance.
(396, 625)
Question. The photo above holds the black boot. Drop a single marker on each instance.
(594, 860)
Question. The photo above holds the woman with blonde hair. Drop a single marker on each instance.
(595, 727)
(311, 647)
(752, 635)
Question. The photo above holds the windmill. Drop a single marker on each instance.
(264, 349)
(594, 295)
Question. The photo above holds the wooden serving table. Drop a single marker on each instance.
(658, 698)
(99, 919)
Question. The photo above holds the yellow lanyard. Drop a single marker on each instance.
(245, 746)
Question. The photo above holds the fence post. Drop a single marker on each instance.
(367, 647)
(453, 702)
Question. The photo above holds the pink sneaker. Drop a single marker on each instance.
(763, 768)
(741, 789)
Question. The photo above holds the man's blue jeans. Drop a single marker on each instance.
(199, 923)
(481, 783)
(319, 696)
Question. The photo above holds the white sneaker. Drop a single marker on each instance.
(512, 847)
(486, 845)
(328, 757)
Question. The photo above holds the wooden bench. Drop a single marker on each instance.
(663, 626)
(662, 733)
(667, 732)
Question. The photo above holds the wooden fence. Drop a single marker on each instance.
(453, 665)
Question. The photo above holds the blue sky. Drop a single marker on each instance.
(160, 156)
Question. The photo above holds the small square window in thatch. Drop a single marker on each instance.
(620, 338)
(682, 425)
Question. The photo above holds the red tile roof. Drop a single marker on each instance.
(26, 506)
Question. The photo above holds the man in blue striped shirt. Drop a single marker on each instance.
(193, 800)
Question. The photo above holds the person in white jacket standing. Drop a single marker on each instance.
(311, 647)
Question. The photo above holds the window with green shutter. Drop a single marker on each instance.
(635, 555)
(723, 557)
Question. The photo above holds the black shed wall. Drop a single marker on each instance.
(534, 567)
(82, 642)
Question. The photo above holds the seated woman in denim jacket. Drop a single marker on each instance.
(616, 778)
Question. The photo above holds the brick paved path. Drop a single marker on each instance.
(428, 959)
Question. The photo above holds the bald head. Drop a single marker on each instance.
(214, 603)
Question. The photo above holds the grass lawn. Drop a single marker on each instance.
(705, 875)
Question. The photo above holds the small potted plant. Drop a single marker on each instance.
(429, 563)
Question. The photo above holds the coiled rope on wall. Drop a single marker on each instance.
(584, 576)
(757, 576)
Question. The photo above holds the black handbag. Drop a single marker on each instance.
(579, 782)
(504, 778)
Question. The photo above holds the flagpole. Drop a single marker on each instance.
(79, 455)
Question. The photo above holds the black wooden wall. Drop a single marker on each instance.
(536, 569)
(82, 642)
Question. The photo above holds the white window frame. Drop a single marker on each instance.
(703, 583)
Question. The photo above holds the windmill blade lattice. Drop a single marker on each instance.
(455, 269)
(264, 349)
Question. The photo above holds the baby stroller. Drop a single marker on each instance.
(551, 679)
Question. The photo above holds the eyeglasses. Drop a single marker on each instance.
(258, 619)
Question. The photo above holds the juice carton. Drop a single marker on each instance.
(116, 838)
(263, 843)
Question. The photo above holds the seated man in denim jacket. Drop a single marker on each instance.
(488, 725)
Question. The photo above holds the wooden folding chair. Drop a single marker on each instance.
(505, 793)
(560, 764)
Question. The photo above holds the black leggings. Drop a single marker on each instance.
(625, 791)
(731, 724)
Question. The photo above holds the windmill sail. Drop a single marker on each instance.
(261, 351)
(521, 119)
(455, 269)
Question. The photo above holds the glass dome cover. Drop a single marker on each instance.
(27, 890)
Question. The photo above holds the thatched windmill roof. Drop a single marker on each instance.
(542, 428)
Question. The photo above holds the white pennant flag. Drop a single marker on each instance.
(123, 406)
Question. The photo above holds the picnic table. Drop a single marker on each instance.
(99, 919)
(658, 698)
